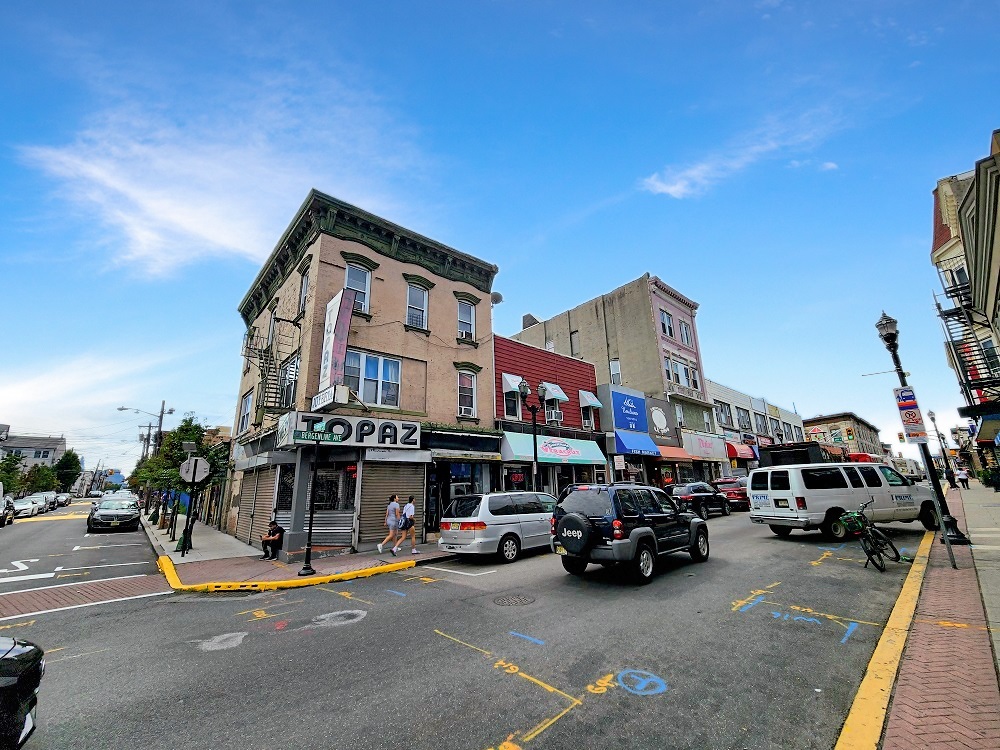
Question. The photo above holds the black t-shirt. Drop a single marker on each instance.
(279, 532)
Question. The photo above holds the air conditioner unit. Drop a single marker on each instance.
(466, 411)
(553, 415)
(588, 424)
(359, 305)
(467, 335)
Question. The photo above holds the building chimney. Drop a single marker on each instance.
(529, 320)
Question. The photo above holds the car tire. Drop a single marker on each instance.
(833, 528)
(90, 529)
(927, 517)
(699, 549)
(703, 511)
(726, 510)
(509, 548)
(781, 532)
(575, 566)
(644, 564)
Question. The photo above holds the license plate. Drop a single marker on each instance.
(115, 523)
(560, 550)
(780, 503)
(456, 526)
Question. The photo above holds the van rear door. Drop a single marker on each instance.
(758, 493)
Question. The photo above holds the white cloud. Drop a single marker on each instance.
(828, 166)
(171, 182)
(778, 135)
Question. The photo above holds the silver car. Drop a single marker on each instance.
(497, 522)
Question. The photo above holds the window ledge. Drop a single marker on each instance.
(416, 329)
(468, 342)
(473, 420)
(361, 314)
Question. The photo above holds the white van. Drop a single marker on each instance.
(814, 496)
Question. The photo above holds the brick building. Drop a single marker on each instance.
(847, 430)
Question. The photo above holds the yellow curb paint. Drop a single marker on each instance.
(166, 566)
(68, 517)
(863, 727)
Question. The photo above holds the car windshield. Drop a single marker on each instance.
(465, 506)
(683, 489)
(22, 502)
(117, 505)
(592, 501)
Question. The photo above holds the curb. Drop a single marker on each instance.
(166, 566)
(863, 728)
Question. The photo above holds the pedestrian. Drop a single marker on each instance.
(962, 475)
(275, 536)
(406, 524)
(950, 476)
(391, 522)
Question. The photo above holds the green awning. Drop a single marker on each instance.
(516, 446)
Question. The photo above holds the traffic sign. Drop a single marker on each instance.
(194, 470)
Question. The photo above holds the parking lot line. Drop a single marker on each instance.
(460, 572)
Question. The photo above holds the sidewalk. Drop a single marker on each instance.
(946, 693)
(220, 562)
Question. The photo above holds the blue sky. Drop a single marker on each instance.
(772, 160)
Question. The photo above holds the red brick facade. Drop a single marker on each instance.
(942, 233)
(538, 365)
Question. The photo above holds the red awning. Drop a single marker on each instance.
(738, 450)
(674, 454)
(861, 458)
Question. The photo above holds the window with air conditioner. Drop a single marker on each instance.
(359, 279)
(416, 306)
(616, 371)
(466, 321)
(375, 379)
(466, 394)
(587, 413)
(552, 412)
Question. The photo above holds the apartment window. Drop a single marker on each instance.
(775, 426)
(303, 291)
(416, 307)
(724, 413)
(359, 279)
(375, 379)
(271, 323)
(466, 321)
(287, 379)
(694, 380)
(707, 418)
(787, 430)
(686, 337)
(990, 353)
(550, 345)
(587, 414)
(466, 394)
(667, 323)
(616, 372)
(38, 454)
(246, 404)
(761, 421)
(679, 414)
(961, 276)
(799, 437)
(574, 343)
(682, 374)
(45, 454)
(743, 417)
(511, 405)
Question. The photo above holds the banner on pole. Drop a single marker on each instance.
(909, 412)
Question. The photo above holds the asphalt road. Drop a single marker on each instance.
(763, 646)
(55, 548)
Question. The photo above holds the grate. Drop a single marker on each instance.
(513, 600)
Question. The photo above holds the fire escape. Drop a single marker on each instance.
(269, 352)
(968, 336)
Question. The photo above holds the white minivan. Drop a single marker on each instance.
(814, 496)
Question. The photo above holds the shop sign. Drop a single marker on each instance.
(630, 411)
(557, 448)
(348, 431)
(705, 446)
(731, 436)
(397, 456)
(335, 329)
(749, 438)
(657, 418)
(619, 463)
(761, 440)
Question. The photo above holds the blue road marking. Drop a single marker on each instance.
(397, 593)
(833, 549)
(638, 682)
(752, 604)
(850, 629)
(528, 638)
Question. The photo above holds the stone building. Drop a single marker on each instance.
(845, 429)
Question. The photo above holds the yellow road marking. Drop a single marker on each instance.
(863, 727)
(557, 691)
(839, 618)
(77, 656)
(68, 517)
(467, 645)
(346, 595)
(548, 723)
(72, 575)
(753, 594)
(952, 624)
(24, 624)
(53, 650)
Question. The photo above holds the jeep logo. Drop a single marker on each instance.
(573, 533)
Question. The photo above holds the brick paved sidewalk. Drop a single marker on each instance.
(946, 693)
(73, 595)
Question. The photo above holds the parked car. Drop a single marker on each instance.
(6, 511)
(815, 496)
(628, 524)
(64, 499)
(735, 490)
(51, 500)
(95, 493)
(25, 507)
(496, 522)
(22, 665)
(40, 502)
(700, 498)
(114, 514)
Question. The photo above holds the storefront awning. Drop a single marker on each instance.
(589, 399)
(738, 450)
(553, 391)
(635, 443)
(674, 454)
(510, 382)
(516, 446)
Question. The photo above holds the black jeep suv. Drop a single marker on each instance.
(623, 523)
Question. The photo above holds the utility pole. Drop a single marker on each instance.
(159, 427)
(144, 439)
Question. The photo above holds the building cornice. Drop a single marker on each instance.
(323, 214)
(657, 283)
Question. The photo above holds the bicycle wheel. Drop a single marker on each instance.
(886, 547)
(872, 550)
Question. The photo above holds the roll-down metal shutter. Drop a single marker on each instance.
(248, 485)
(264, 506)
(379, 481)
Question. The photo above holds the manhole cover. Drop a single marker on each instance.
(513, 601)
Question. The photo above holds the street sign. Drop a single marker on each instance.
(909, 412)
(323, 437)
(194, 470)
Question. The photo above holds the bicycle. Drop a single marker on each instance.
(874, 542)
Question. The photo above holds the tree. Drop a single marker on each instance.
(40, 479)
(68, 469)
(10, 473)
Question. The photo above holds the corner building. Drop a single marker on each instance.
(386, 335)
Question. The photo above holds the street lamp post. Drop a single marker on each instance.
(888, 331)
(525, 390)
(941, 442)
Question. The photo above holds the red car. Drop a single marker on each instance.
(735, 490)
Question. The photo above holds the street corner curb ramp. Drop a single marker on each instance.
(166, 566)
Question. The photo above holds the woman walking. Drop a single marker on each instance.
(406, 524)
(391, 522)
